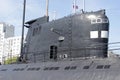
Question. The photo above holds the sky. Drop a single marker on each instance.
(11, 12)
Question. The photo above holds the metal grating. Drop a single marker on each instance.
(51, 68)
(33, 69)
(70, 68)
(3, 70)
(86, 67)
(107, 66)
(100, 67)
(18, 69)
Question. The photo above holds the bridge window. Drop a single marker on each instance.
(105, 20)
(93, 34)
(93, 21)
(104, 34)
(99, 20)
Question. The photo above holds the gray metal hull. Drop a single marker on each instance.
(68, 70)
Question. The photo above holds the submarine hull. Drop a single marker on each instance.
(92, 69)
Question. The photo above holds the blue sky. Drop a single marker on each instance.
(11, 12)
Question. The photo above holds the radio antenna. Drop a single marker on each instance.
(83, 5)
(47, 7)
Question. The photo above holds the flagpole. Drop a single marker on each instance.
(23, 22)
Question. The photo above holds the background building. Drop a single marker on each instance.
(12, 47)
(9, 44)
(6, 31)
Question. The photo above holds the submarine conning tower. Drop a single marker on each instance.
(96, 29)
(80, 35)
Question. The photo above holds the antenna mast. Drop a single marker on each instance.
(47, 7)
(83, 5)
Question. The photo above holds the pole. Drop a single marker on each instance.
(47, 7)
(23, 22)
(83, 5)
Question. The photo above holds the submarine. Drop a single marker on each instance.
(74, 47)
